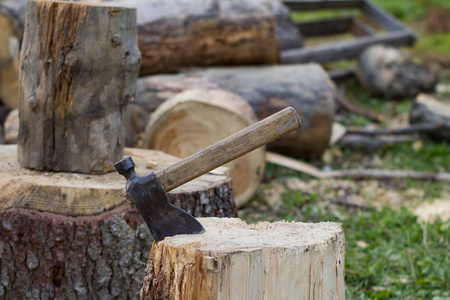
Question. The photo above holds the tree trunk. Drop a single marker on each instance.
(68, 235)
(181, 33)
(431, 111)
(267, 89)
(12, 19)
(79, 67)
(198, 118)
(233, 260)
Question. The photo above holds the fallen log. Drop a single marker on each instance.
(181, 33)
(433, 112)
(12, 20)
(416, 128)
(197, 118)
(353, 174)
(392, 73)
(69, 235)
(267, 89)
(233, 260)
(71, 90)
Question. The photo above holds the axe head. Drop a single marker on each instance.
(162, 218)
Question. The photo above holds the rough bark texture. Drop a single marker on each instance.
(267, 89)
(92, 254)
(174, 34)
(389, 72)
(233, 260)
(198, 118)
(429, 110)
(79, 67)
(12, 19)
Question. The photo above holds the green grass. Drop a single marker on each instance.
(389, 255)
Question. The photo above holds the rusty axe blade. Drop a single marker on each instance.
(148, 193)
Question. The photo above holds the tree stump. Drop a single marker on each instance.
(267, 89)
(69, 235)
(79, 65)
(181, 33)
(392, 73)
(12, 19)
(429, 110)
(233, 260)
(198, 118)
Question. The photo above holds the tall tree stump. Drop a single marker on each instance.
(72, 236)
(198, 118)
(233, 260)
(267, 89)
(79, 65)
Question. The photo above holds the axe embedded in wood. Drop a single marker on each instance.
(148, 193)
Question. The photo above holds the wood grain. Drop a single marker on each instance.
(238, 144)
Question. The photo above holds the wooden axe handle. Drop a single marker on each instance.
(238, 144)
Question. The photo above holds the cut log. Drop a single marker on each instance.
(79, 65)
(392, 73)
(267, 89)
(233, 260)
(181, 33)
(428, 110)
(198, 118)
(11, 127)
(68, 235)
(12, 19)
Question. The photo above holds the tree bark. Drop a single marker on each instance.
(430, 111)
(181, 33)
(198, 118)
(79, 67)
(12, 19)
(67, 235)
(267, 89)
(233, 260)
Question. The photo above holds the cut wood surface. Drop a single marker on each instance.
(12, 19)
(72, 236)
(198, 118)
(429, 110)
(175, 34)
(75, 194)
(79, 65)
(267, 89)
(233, 260)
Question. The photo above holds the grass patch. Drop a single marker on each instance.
(389, 255)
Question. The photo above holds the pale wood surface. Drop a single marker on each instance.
(196, 119)
(431, 110)
(229, 148)
(267, 89)
(74, 194)
(233, 260)
(79, 65)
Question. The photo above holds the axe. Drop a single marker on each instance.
(148, 193)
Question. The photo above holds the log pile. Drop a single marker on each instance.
(267, 89)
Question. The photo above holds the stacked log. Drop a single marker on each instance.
(197, 118)
(267, 89)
